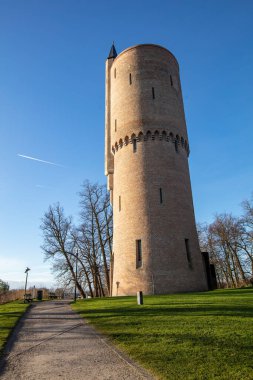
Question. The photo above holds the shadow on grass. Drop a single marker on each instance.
(8, 314)
(224, 311)
(224, 292)
(182, 338)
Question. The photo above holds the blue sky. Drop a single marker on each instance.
(52, 56)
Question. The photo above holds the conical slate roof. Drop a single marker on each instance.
(113, 53)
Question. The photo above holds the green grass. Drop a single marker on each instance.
(9, 315)
(183, 336)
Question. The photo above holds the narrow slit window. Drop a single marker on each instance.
(153, 92)
(171, 81)
(119, 202)
(138, 254)
(115, 125)
(130, 78)
(176, 146)
(115, 73)
(134, 145)
(161, 195)
(188, 252)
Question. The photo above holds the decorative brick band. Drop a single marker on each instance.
(177, 140)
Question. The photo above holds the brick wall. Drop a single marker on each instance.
(152, 198)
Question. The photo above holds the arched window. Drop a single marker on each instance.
(156, 135)
(148, 135)
(140, 136)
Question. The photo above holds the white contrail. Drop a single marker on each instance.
(37, 159)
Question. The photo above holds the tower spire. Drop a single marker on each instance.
(113, 54)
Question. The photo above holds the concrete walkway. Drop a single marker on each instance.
(53, 342)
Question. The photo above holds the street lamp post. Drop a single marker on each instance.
(26, 271)
(76, 273)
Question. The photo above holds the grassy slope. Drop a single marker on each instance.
(184, 336)
(9, 315)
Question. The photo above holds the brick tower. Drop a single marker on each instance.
(155, 244)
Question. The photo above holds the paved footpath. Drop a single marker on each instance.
(53, 342)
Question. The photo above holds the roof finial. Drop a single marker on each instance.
(113, 54)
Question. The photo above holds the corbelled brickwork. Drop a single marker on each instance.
(155, 242)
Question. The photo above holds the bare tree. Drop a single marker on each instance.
(83, 258)
(96, 233)
(247, 235)
(224, 239)
(59, 244)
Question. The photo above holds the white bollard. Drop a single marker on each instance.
(140, 298)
